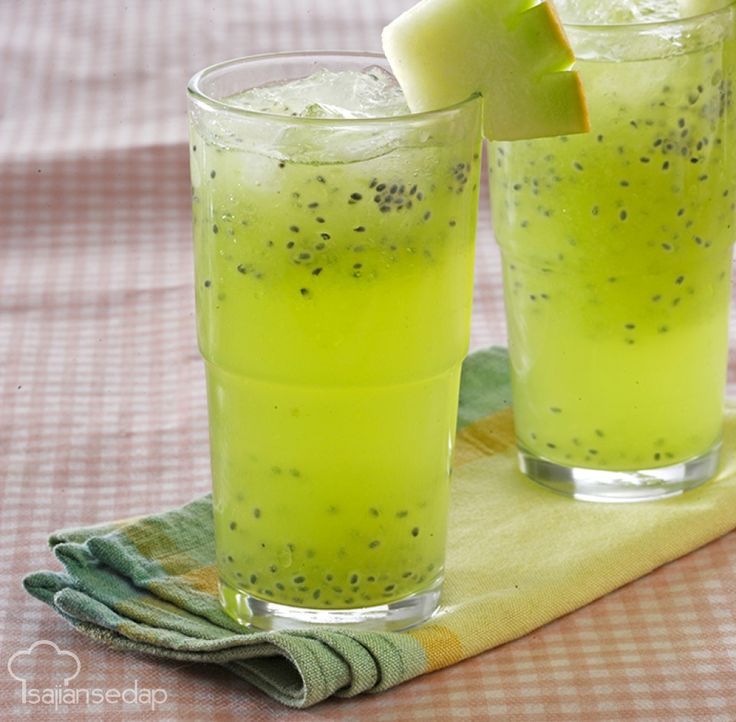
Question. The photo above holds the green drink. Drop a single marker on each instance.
(617, 249)
(334, 261)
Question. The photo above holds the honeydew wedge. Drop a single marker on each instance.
(514, 52)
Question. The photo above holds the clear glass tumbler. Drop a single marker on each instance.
(617, 250)
(334, 274)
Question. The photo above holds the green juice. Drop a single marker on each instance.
(617, 249)
(333, 307)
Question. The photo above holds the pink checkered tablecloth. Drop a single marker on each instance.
(102, 413)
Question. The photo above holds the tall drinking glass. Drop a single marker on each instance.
(334, 272)
(617, 249)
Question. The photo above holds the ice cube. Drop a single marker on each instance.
(368, 93)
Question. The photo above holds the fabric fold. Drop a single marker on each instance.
(518, 557)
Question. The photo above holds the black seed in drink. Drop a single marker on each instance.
(233, 526)
(212, 174)
(294, 229)
(273, 569)
(389, 588)
(415, 531)
(257, 513)
(207, 283)
(357, 265)
(319, 219)
(253, 578)
(623, 215)
(679, 280)
(321, 179)
(313, 205)
(356, 197)
(374, 544)
(230, 558)
(630, 326)
(282, 164)
(373, 511)
(353, 578)
(316, 271)
(290, 244)
(242, 269)
(215, 229)
(359, 229)
(402, 514)
(280, 586)
(316, 593)
(299, 579)
(304, 292)
(304, 256)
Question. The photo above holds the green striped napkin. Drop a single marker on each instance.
(149, 585)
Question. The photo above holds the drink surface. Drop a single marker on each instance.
(617, 255)
(333, 312)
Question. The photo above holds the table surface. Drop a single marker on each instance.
(103, 403)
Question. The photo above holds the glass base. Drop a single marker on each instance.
(269, 616)
(621, 486)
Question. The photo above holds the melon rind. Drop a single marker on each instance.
(514, 52)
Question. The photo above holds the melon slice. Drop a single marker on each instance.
(514, 52)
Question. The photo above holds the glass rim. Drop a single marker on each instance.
(640, 27)
(195, 92)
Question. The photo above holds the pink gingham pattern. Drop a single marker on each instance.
(102, 411)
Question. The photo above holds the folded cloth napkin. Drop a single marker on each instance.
(518, 556)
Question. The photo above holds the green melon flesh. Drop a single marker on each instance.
(514, 52)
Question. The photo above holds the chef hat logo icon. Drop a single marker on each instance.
(70, 662)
